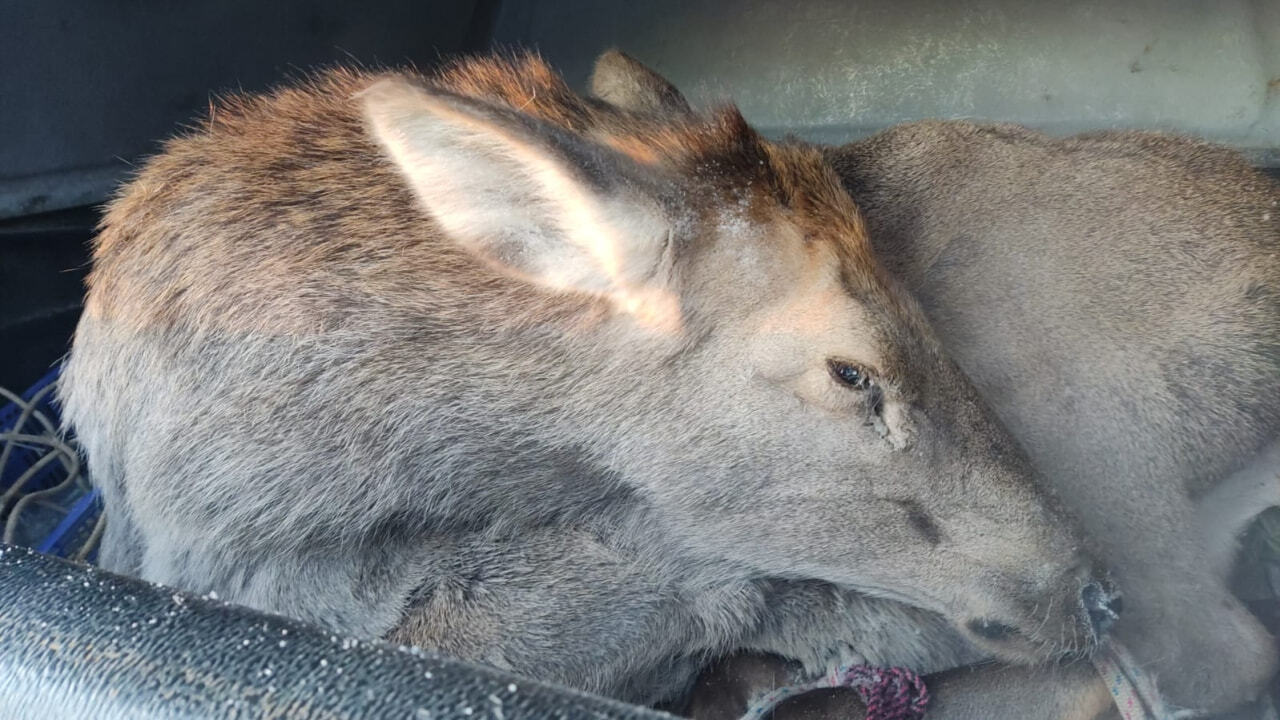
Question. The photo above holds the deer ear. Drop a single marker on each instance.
(535, 201)
(620, 80)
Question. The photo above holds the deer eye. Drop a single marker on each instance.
(849, 374)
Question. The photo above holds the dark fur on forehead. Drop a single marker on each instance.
(818, 204)
(720, 143)
(521, 81)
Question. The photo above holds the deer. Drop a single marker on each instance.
(469, 361)
(1115, 298)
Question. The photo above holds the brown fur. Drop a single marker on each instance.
(230, 170)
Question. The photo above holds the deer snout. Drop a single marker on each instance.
(1071, 615)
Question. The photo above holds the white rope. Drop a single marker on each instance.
(1133, 691)
(49, 441)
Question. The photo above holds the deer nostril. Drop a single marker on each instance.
(991, 630)
(1102, 606)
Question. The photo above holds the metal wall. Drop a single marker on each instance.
(833, 70)
(87, 87)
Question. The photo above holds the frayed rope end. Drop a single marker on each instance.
(888, 693)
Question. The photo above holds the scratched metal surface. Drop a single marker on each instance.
(76, 642)
(835, 70)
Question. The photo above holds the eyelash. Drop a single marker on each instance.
(850, 375)
(858, 378)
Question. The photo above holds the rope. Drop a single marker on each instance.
(899, 694)
(1133, 691)
(17, 438)
(44, 439)
(887, 693)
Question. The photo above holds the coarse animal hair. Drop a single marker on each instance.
(471, 362)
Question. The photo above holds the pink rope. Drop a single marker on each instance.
(888, 693)
(899, 694)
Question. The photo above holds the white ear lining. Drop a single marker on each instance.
(514, 197)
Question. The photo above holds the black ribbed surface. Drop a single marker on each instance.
(76, 642)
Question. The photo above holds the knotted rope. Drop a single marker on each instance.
(888, 693)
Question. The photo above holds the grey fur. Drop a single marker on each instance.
(1130, 282)
(1116, 298)
(296, 390)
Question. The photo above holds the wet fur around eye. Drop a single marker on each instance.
(875, 400)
